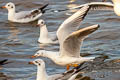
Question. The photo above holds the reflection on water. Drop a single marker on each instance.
(13, 32)
(19, 41)
(4, 77)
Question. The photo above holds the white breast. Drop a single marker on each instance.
(117, 8)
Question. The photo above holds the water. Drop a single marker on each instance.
(19, 41)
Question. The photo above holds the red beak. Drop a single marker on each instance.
(30, 62)
(3, 7)
(33, 57)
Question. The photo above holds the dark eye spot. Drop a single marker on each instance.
(42, 22)
(8, 5)
(39, 64)
(11, 6)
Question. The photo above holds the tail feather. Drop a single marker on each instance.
(3, 61)
(43, 8)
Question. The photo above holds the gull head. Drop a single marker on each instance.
(9, 6)
(38, 62)
(41, 23)
(39, 53)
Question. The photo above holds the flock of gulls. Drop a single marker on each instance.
(68, 36)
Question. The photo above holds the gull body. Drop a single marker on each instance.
(23, 16)
(42, 74)
(116, 6)
(62, 61)
(70, 39)
(45, 37)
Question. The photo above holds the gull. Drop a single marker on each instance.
(116, 6)
(70, 40)
(23, 16)
(42, 74)
(45, 37)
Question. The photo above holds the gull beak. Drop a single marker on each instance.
(3, 7)
(30, 62)
(37, 25)
(33, 56)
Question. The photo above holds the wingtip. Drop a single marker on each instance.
(96, 26)
(3, 61)
(43, 8)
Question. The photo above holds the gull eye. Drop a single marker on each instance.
(11, 6)
(8, 5)
(42, 22)
(39, 64)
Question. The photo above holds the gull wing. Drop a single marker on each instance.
(72, 44)
(94, 6)
(71, 24)
(97, 6)
(31, 14)
(55, 77)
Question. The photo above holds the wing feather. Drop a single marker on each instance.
(71, 24)
(72, 44)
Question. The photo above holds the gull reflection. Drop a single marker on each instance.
(13, 32)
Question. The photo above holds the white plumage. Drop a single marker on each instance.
(23, 16)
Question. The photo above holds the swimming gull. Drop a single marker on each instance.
(45, 37)
(23, 16)
(42, 74)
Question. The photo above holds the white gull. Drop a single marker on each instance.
(70, 39)
(42, 74)
(23, 16)
(45, 37)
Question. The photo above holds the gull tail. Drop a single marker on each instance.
(43, 8)
(2, 62)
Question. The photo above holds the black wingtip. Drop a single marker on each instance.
(2, 62)
(43, 8)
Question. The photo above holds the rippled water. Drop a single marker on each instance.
(19, 41)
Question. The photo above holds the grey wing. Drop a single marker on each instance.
(98, 6)
(31, 14)
(72, 44)
(28, 14)
(71, 24)
(55, 77)
(101, 6)
(93, 5)
(22, 14)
